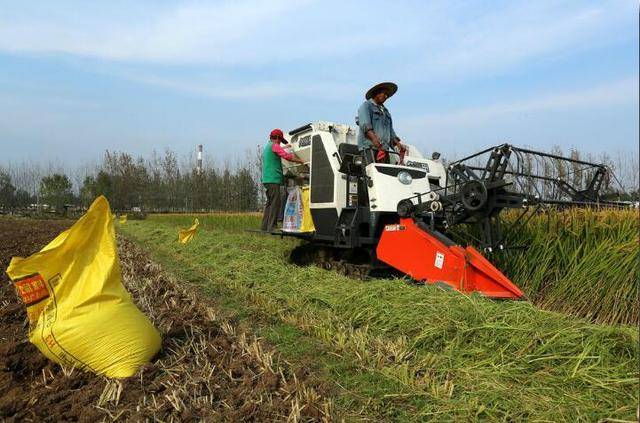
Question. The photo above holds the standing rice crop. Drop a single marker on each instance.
(582, 262)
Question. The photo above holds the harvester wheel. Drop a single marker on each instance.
(473, 195)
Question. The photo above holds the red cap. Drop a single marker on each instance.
(278, 133)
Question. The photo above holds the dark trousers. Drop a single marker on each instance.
(271, 208)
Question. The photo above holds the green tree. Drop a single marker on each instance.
(23, 199)
(92, 187)
(55, 190)
(7, 191)
(129, 180)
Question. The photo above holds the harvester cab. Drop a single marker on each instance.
(350, 195)
(401, 216)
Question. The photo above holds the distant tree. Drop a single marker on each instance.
(23, 199)
(93, 187)
(247, 189)
(7, 191)
(129, 180)
(55, 190)
(87, 190)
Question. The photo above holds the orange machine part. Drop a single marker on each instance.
(425, 257)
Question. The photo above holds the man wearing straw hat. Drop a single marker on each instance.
(376, 135)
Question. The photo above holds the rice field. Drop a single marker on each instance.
(394, 351)
(580, 262)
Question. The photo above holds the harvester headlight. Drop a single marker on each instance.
(405, 178)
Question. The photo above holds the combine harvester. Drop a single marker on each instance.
(401, 216)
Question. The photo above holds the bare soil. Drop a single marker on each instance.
(208, 368)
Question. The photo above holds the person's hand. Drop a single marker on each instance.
(375, 141)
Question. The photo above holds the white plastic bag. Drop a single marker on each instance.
(293, 212)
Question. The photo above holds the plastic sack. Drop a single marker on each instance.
(293, 211)
(186, 235)
(123, 219)
(79, 312)
(307, 220)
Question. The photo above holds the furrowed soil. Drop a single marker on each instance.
(207, 369)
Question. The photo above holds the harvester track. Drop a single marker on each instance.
(351, 263)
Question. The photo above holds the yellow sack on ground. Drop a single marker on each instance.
(123, 219)
(307, 220)
(186, 235)
(79, 312)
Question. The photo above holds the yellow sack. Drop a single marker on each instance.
(79, 313)
(186, 235)
(307, 220)
(123, 219)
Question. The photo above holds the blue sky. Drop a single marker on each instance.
(77, 78)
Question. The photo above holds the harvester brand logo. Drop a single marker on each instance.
(423, 166)
(32, 289)
(393, 228)
(304, 141)
(439, 260)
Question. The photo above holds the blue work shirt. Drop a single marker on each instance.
(376, 117)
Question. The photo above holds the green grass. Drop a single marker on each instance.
(406, 352)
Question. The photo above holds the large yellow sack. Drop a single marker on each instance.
(79, 313)
(307, 220)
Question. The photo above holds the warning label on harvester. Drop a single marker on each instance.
(439, 260)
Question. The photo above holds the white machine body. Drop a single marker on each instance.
(318, 144)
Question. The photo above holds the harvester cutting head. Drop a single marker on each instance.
(484, 184)
(429, 257)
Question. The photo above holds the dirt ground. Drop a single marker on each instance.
(208, 369)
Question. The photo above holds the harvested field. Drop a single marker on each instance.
(208, 368)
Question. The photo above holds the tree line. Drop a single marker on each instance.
(165, 183)
(160, 183)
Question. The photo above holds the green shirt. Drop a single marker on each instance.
(271, 166)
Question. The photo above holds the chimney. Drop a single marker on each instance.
(199, 160)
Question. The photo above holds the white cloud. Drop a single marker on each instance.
(248, 90)
(185, 34)
(464, 43)
(623, 91)
(221, 33)
(440, 37)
